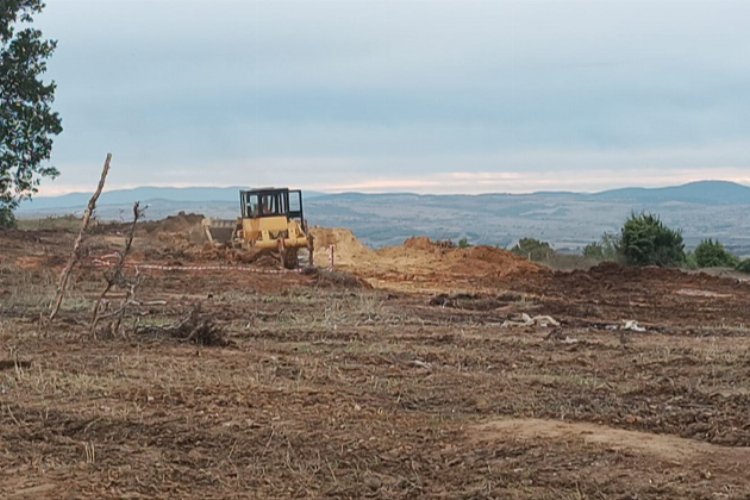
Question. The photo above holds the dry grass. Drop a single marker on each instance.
(33, 290)
(69, 223)
(342, 392)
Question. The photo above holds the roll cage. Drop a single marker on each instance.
(272, 202)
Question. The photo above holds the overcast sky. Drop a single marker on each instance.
(422, 96)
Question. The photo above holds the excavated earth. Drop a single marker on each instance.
(415, 371)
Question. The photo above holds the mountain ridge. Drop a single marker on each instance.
(706, 191)
(708, 209)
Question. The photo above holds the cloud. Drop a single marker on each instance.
(370, 92)
(514, 172)
(525, 182)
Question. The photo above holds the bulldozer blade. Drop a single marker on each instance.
(219, 232)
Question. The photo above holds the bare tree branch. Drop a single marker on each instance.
(117, 277)
(76, 253)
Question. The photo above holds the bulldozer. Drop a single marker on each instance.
(271, 222)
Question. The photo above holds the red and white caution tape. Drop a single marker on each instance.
(103, 262)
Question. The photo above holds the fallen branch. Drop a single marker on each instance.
(76, 253)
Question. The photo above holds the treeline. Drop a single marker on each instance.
(643, 240)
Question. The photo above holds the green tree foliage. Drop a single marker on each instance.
(711, 253)
(607, 248)
(463, 243)
(594, 250)
(645, 240)
(27, 122)
(534, 250)
(690, 261)
(744, 266)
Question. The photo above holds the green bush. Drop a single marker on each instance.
(744, 266)
(463, 243)
(607, 248)
(711, 253)
(594, 250)
(533, 249)
(690, 261)
(645, 241)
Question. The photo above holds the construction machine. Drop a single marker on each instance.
(271, 221)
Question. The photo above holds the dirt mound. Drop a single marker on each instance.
(420, 263)
(178, 236)
(489, 260)
(425, 244)
(424, 253)
(180, 223)
(348, 249)
(613, 273)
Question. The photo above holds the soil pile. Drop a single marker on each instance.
(489, 261)
(438, 256)
(178, 236)
(181, 223)
(425, 244)
(420, 262)
(612, 275)
(349, 251)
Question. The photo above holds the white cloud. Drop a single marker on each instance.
(388, 95)
(508, 171)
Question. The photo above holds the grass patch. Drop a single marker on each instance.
(69, 223)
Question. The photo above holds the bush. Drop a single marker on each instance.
(594, 250)
(690, 261)
(607, 248)
(744, 266)
(533, 250)
(645, 241)
(711, 253)
(463, 243)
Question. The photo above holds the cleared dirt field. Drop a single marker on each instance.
(401, 381)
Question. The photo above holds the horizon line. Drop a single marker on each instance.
(393, 192)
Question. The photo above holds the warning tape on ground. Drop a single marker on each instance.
(103, 262)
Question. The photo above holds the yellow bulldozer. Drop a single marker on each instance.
(271, 221)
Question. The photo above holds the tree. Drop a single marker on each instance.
(711, 253)
(463, 243)
(27, 122)
(533, 249)
(645, 240)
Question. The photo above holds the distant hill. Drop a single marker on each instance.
(143, 194)
(707, 209)
(703, 192)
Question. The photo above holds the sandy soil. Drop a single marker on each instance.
(412, 388)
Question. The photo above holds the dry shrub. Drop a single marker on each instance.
(197, 328)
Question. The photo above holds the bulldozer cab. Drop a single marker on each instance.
(271, 202)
